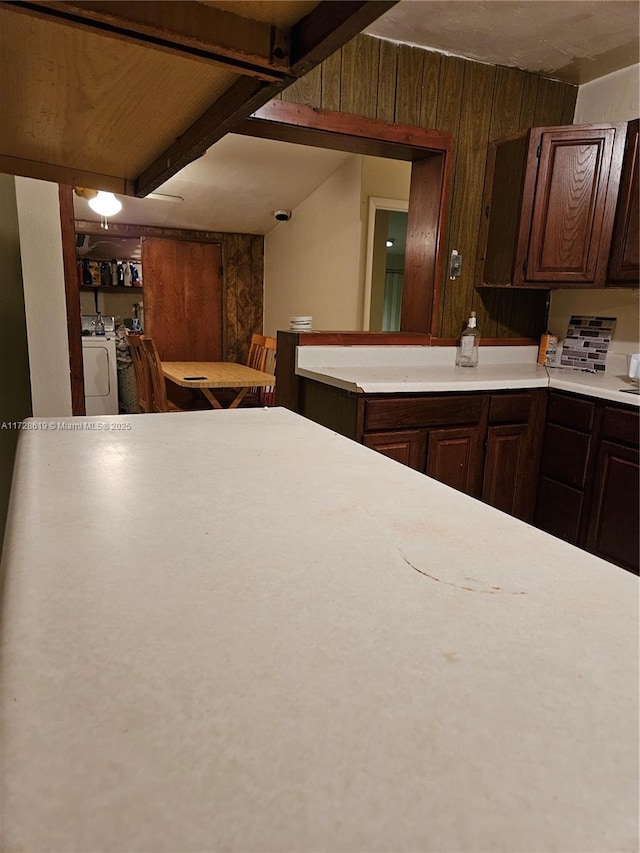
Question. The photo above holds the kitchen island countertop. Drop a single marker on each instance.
(237, 630)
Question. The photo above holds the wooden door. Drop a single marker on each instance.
(624, 266)
(614, 530)
(455, 458)
(183, 298)
(506, 483)
(569, 201)
(405, 446)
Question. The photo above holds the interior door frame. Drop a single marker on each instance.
(430, 153)
(375, 204)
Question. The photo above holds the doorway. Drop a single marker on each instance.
(385, 261)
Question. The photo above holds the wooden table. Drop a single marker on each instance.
(206, 375)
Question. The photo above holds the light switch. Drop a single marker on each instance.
(455, 267)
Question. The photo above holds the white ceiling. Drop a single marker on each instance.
(571, 40)
(240, 181)
(234, 187)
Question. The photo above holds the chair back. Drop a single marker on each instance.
(144, 391)
(257, 354)
(154, 366)
(267, 395)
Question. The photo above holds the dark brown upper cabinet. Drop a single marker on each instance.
(549, 205)
(624, 265)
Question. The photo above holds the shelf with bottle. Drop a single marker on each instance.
(114, 275)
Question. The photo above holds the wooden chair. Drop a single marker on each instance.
(158, 385)
(255, 359)
(256, 355)
(144, 391)
(267, 395)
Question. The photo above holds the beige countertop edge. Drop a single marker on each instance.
(606, 388)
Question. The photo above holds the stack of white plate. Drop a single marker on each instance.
(300, 324)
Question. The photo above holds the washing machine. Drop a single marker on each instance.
(100, 374)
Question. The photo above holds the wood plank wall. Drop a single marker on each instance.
(476, 103)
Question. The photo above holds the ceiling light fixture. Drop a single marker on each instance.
(103, 203)
(106, 204)
(390, 242)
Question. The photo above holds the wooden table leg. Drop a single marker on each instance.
(210, 397)
(238, 398)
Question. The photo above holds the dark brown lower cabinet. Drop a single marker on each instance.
(484, 444)
(405, 446)
(506, 469)
(455, 457)
(613, 531)
(590, 477)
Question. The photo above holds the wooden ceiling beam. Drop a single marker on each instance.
(63, 175)
(252, 48)
(330, 25)
(319, 34)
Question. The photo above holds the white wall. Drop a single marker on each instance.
(615, 97)
(612, 98)
(312, 263)
(315, 264)
(44, 297)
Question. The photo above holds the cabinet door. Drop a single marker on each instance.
(506, 483)
(455, 458)
(569, 202)
(624, 266)
(614, 531)
(406, 446)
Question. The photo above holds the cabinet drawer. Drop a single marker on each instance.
(564, 455)
(422, 412)
(571, 412)
(621, 425)
(510, 408)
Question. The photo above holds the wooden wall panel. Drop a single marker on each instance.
(387, 74)
(359, 78)
(409, 85)
(475, 115)
(331, 72)
(308, 89)
(430, 86)
(508, 97)
(475, 103)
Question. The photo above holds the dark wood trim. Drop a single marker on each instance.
(426, 226)
(330, 25)
(120, 229)
(72, 300)
(430, 153)
(297, 123)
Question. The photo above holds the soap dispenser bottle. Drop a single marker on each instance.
(467, 354)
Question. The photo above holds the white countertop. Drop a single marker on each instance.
(392, 370)
(238, 631)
